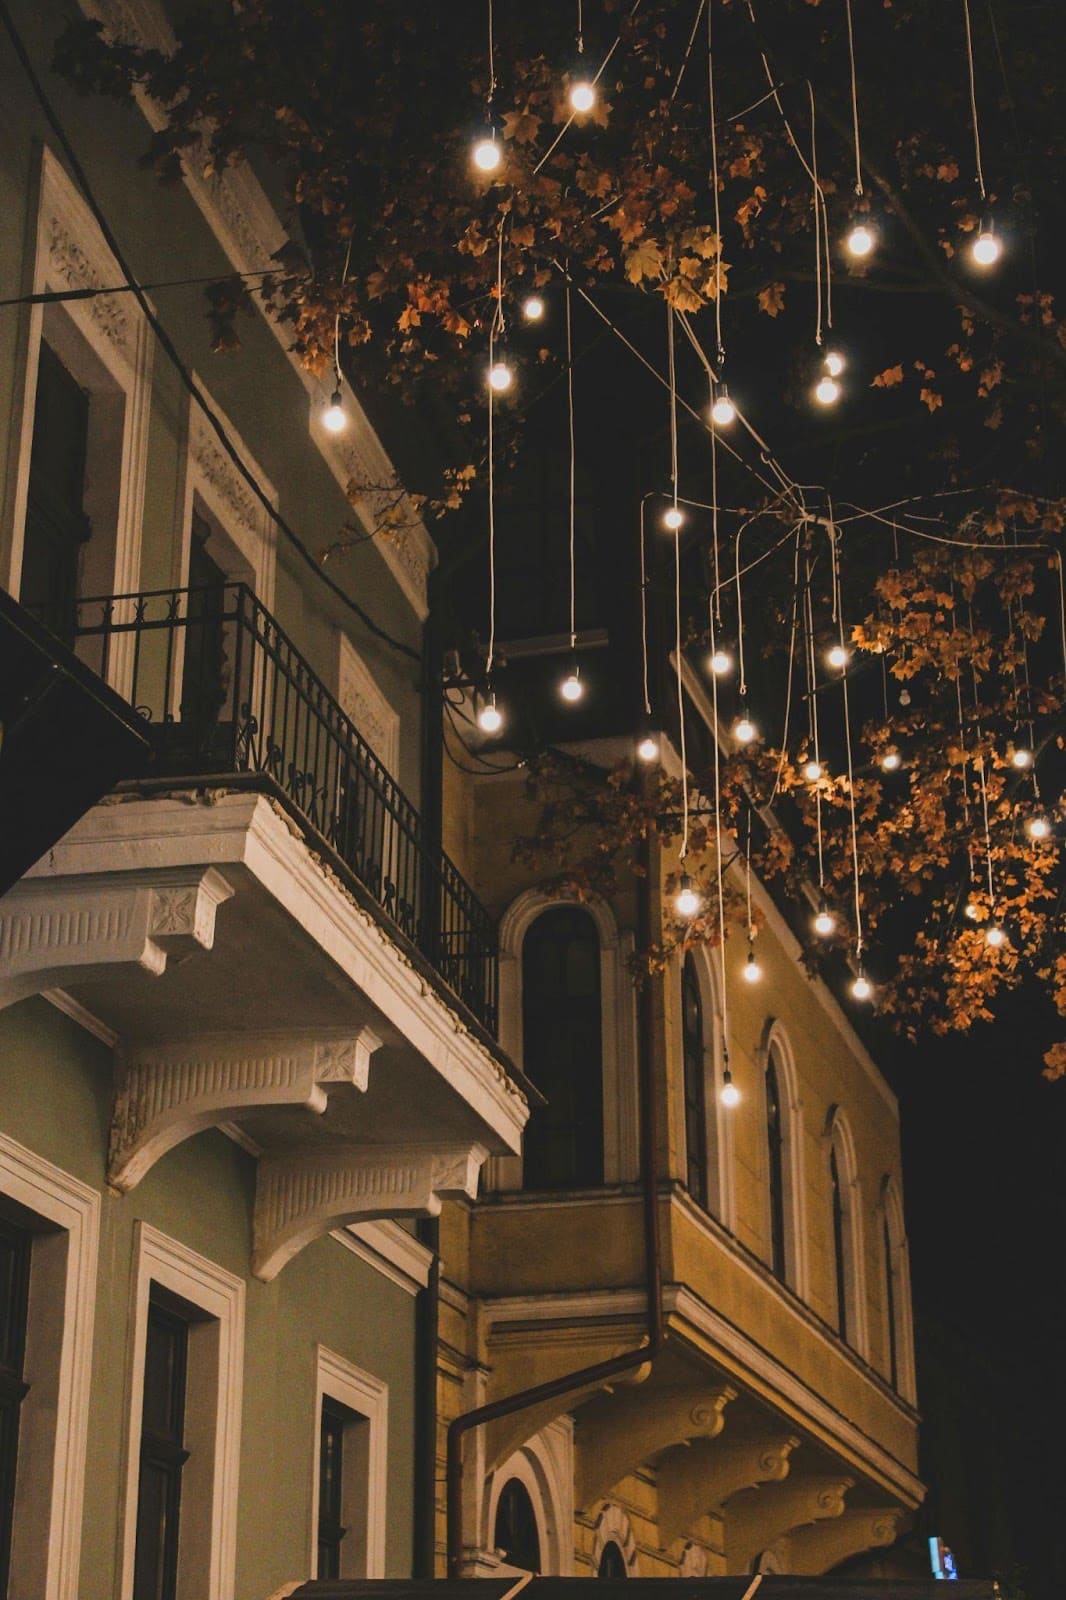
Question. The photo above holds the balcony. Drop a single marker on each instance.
(262, 926)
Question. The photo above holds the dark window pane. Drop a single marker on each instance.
(890, 1301)
(15, 1252)
(775, 1168)
(516, 1527)
(695, 1091)
(203, 683)
(612, 1562)
(163, 1453)
(56, 524)
(838, 1245)
(562, 1050)
(331, 1530)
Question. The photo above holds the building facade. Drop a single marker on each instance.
(257, 1020)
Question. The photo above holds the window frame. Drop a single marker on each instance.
(895, 1268)
(850, 1271)
(367, 1399)
(777, 1047)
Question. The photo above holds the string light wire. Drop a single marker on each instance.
(834, 545)
(973, 99)
(723, 986)
(719, 347)
(854, 99)
(573, 468)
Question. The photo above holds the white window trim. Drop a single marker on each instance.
(891, 1212)
(838, 1137)
(614, 1527)
(176, 1267)
(368, 1396)
(796, 1240)
(212, 478)
(618, 1030)
(722, 1184)
(70, 253)
(61, 1199)
(361, 698)
(545, 1467)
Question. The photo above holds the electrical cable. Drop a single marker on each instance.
(854, 100)
(719, 347)
(973, 100)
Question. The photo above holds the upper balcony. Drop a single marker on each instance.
(262, 924)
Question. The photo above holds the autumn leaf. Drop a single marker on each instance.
(888, 379)
(645, 260)
(522, 126)
(772, 299)
(930, 398)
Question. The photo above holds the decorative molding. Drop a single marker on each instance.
(696, 1480)
(362, 700)
(79, 928)
(839, 1138)
(368, 1397)
(755, 1518)
(80, 1014)
(390, 1250)
(48, 1527)
(820, 1547)
(170, 1090)
(299, 1197)
(212, 476)
(897, 1263)
(719, 1118)
(694, 1563)
(545, 1466)
(775, 1043)
(614, 1527)
(620, 1431)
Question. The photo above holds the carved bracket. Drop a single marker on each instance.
(755, 1518)
(698, 1478)
(56, 931)
(816, 1549)
(301, 1196)
(169, 1091)
(622, 1430)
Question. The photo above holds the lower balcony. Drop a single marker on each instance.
(261, 926)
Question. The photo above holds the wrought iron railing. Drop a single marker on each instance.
(226, 692)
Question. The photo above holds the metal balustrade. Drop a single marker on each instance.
(226, 692)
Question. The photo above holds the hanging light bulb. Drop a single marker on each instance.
(500, 376)
(571, 687)
(687, 900)
(891, 761)
(827, 391)
(490, 718)
(986, 248)
(1038, 827)
(1022, 758)
(335, 418)
(723, 412)
(648, 747)
(721, 662)
(729, 1094)
(837, 656)
(860, 238)
(813, 771)
(533, 308)
(744, 730)
(752, 969)
(487, 154)
(834, 363)
(582, 96)
(862, 988)
(673, 517)
(995, 936)
(824, 922)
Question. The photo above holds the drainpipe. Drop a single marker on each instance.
(627, 1360)
(427, 1333)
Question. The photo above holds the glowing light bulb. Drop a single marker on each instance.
(752, 969)
(648, 748)
(673, 517)
(837, 656)
(1021, 758)
(729, 1094)
(1038, 828)
(582, 96)
(687, 900)
(572, 688)
(490, 718)
(971, 910)
(744, 730)
(813, 770)
(862, 988)
(335, 418)
(860, 240)
(824, 923)
(723, 411)
(986, 248)
(827, 391)
(721, 662)
(891, 761)
(533, 308)
(834, 363)
(995, 936)
(500, 377)
(487, 155)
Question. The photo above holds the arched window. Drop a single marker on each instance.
(612, 1562)
(840, 1268)
(562, 1050)
(891, 1310)
(845, 1218)
(515, 1534)
(775, 1165)
(898, 1365)
(693, 1047)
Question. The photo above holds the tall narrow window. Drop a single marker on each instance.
(56, 524)
(775, 1167)
(163, 1453)
(562, 1050)
(335, 1420)
(839, 1244)
(612, 1562)
(203, 687)
(692, 1042)
(516, 1535)
(890, 1301)
(15, 1247)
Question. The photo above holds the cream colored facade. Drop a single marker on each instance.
(758, 1438)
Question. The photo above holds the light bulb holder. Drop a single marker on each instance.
(752, 969)
(687, 900)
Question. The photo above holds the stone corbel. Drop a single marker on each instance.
(59, 931)
(755, 1518)
(697, 1478)
(171, 1090)
(818, 1548)
(304, 1194)
(622, 1430)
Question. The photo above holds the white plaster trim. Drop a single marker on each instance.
(719, 1134)
(775, 1042)
(368, 1396)
(212, 477)
(390, 1250)
(362, 700)
(545, 1466)
(839, 1137)
(891, 1212)
(614, 1527)
(173, 1265)
(78, 1013)
(51, 1193)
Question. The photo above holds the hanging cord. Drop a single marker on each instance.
(981, 759)
(573, 480)
(719, 347)
(716, 598)
(680, 692)
(718, 860)
(496, 328)
(812, 708)
(742, 682)
(672, 375)
(747, 878)
(580, 28)
(594, 80)
(817, 224)
(834, 539)
(1062, 606)
(337, 318)
(854, 100)
(492, 64)
(688, 51)
(791, 671)
(644, 613)
(973, 100)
